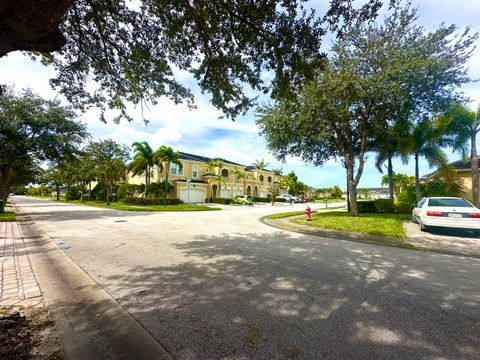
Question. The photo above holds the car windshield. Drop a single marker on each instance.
(449, 202)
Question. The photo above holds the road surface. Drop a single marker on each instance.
(223, 285)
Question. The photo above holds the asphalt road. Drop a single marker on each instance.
(223, 285)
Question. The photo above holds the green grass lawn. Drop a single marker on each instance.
(7, 216)
(329, 201)
(387, 225)
(120, 206)
(286, 214)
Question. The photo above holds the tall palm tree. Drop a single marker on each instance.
(426, 139)
(143, 162)
(166, 155)
(210, 168)
(463, 127)
(389, 145)
(240, 174)
(278, 172)
(260, 164)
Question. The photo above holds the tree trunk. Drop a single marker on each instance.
(32, 25)
(352, 189)
(166, 184)
(146, 184)
(390, 179)
(418, 190)
(81, 191)
(58, 192)
(474, 168)
(5, 182)
(66, 194)
(108, 193)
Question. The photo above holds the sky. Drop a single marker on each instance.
(201, 131)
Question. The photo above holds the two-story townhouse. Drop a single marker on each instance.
(194, 183)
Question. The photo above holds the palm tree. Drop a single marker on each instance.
(277, 172)
(260, 164)
(166, 155)
(463, 127)
(210, 168)
(143, 162)
(426, 139)
(240, 174)
(388, 146)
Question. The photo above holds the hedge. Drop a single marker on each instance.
(383, 206)
(224, 201)
(150, 201)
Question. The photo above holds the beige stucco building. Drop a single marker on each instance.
(193, 183)
(463, 176)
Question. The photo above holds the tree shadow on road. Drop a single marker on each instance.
(281, 296)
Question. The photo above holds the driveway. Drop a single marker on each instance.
(454, 241)
(223, 285)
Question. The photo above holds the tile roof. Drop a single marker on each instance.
(187, 156)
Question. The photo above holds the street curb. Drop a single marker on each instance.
(346, 236)
(90, 323)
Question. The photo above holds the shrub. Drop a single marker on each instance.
(74, 192)
(19, 190)
(263, 200)
(149, 201)
(403, 208)
(384, 206)
(129, 190)
(224, 201)
(366, 206)
(99, 192)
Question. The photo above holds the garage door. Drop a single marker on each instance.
(224, 193)
(263, 194)
(237, 192)
(195, 196)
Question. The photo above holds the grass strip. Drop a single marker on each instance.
(7, 216)
(120, 206)
(385, 225)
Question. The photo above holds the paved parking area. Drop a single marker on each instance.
(446, 240)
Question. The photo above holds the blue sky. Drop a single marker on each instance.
(200, 131)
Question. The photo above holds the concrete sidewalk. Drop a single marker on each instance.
(18, 285)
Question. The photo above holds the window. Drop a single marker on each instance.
(175, 169)
(449, 202)
(194, 171)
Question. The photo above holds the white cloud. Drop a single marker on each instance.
(201, 131)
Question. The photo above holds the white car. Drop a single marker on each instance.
(289, 198)
(447, 212)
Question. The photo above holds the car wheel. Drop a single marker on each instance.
(244, 203)
(422, 226)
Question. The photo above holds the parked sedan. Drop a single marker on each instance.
(447, 212)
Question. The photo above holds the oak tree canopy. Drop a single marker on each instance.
(109, 53)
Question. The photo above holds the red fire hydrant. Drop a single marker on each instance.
(308, 213)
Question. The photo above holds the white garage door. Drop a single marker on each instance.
(263, 194)
(237, 192)
(224, 193)
(195, 196)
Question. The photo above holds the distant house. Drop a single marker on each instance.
(463, 177)
(373, 193)
(194, 184)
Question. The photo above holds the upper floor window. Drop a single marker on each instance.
(194, 171)
(225, 173)
(175, 169)
(269, 179)
(260, 178)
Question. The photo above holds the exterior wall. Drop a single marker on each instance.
(230, 186)
(465, 179)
